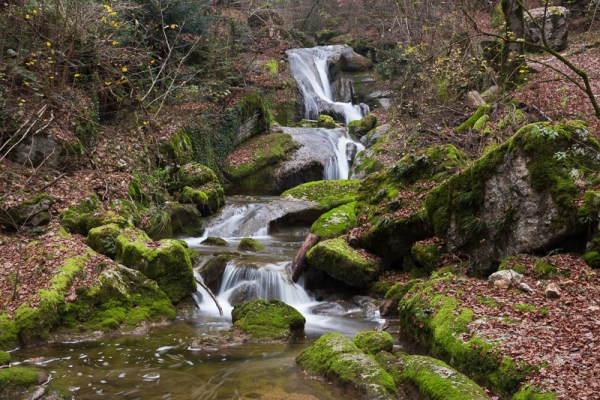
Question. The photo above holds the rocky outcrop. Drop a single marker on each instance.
(336, 358)
(555, 24)
(32, 212)
(201, 188)
(390, 204)
(519, 197)
(166, 262)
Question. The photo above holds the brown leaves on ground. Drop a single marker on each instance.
(561, 335)
(29, 263)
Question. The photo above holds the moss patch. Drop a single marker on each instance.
(271, 320)
(214, 241)
(325, 121)
(18, 379)
(336, 222)
(372, 342)
(342, 262)
(328, 194)
(248, 244)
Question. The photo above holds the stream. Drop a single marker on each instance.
(161, 365)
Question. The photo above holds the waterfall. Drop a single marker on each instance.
(310, 69)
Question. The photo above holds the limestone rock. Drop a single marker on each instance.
(523, 287)
(333, 308)
(552, 291)
(474, 99)
(387, 307)
(512, 277)
(517, 198)
(243, 293)
(555, 23)
(32, 212)
(502, 284)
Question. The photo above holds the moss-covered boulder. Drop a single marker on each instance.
(325, 121)
(196, 175)
(213, 270)
(214, 241)
(519, 197)
(121, 298)
(304, 123)
(82, 217)
(250, 168)
(166, 262)
(437, 321)
(267, 321)
(336, 222)
(390, 205)
(335, 358)
(32, 212)
(342, 262)
(365, 164)
(17, 380)
(103, 239)
(372, 342)
(327, 194)
(175, 219)
(429, 378)
(427, 255)
(201, 188)
(248, 244)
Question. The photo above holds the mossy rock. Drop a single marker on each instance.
(4, 358)
(137, 194)
(267, 321)
(528, 392)
(212, 271)
(327, 194)
(427, 255)
(9, 333)
(121, 298)
(479, 211)
(81, 218)
(342, 262)
(207, 199)
(365, 164)
(336, 222)
(196, 175)
(517, 263)
(166, 262)
(214, 241)
(175, 219)
(545, 270)
(397, 292)
(372, 342)
(32, 212)
(16, 380)
(354, 129)
(436, 380)
(592, 258)
(248, 244)
(103, 239)
(391, 203)
(437, 321)
(255, 174)
(306, 124)
(325, 121)
(474, 119)
(368, 122)
(179, 149)
(335, 358)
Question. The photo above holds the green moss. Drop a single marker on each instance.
(248, 244)
(102, 239)
(342, 262)
(480, 124)
(9, 331)
(181, 147)
(436, 380)
(335, 357)
(256, 174)
(325, 121)
(542, 270)
(461, 197)
(489, 301)
(79, 218)
(517, 263)
(18, 379)
(354, 129)
(469, 123)
(4, 358)
(168, 263)
(214, 241)
(137, 194)
(306, 124)
(57, 391)
(328, 194)
(524, 307)
(196, 175)
(592, 258)
(436, 321)
(530, 393)
(336, 222)
(427, 255)
(372, 342)
(30, 212)
(207, 200)
(268, 320)
(368, 122)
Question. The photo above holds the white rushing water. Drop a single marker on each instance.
(310, 69)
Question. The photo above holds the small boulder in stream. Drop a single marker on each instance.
(267, 321)
(249, 244)
(245, 292)
(336, 358)
(214, 241)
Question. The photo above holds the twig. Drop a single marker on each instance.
(53, 182)
(211, 295)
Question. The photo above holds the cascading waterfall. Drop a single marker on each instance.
(309, 67)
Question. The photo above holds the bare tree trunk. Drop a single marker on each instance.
(211, 295)
(299, 262)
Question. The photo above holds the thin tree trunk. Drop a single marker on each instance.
(211, 295)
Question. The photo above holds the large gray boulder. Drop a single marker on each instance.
(519, 197)
(555, 24)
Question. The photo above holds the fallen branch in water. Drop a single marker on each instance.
(211, 295)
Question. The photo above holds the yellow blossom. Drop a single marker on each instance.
(108, 83)
(77, 75)
(114, 43)
(48, 44)
(26, 16)
(124, 69)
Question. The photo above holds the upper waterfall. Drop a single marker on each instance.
(311, 69)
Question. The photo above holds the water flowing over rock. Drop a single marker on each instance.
(314, 69)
